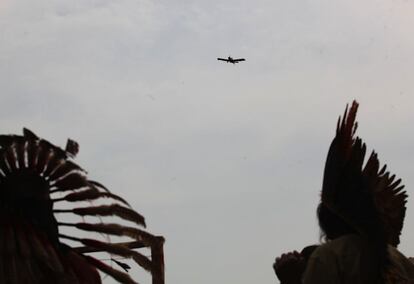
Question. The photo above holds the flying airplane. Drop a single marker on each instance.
(231, 60)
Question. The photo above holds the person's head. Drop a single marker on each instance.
(332, 226)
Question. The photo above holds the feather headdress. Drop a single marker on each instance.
(35, 177)
(367, 198)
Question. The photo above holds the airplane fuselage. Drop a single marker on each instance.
(231, 60)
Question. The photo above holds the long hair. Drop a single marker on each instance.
(331, 225)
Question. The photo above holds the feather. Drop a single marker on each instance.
(123, 265)
(20, 153)
(116, 274)
(391, 200)
(72, 148)
(345, 153)
(32, 153)
(64, 169)
(58, 151)
(43, 157)
(11, 158)
(395, 184)
(382, 171)
(4, 166)
(54, 163)
(72, 181)
(120, 250)
(28, 134)
(89, 194)
(7, 140)
(97, 184)
(371, 167)
(114, 229)
(108, 210)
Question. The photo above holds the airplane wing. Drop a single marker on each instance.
(239, 59)
(223, 59)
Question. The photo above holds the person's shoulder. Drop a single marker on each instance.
(403, 265)
(322, 266)
(344, 244)
(323, 252)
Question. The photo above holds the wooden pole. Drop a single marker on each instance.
(157, 257)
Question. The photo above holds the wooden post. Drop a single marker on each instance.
(157, 259)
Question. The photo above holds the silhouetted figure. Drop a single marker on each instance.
(38, 182)
(360, 215)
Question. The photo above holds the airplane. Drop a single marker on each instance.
(231, 60)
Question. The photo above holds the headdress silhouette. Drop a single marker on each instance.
(36, 177)
(368, 199)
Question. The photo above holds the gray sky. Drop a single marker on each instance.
(225, 161)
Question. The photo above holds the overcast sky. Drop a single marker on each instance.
(224, 160)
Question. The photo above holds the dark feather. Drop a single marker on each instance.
(11, 158)
(338, 154)
(90, 194)
(4, 166)
(32, 153)
(43, 157)
(64, 169)
(119, 250)
(115, 229)
(53, 164)
(109, 210)
(123, 265)
(391, 201)
(7, 140)
(20, 152)
(72, 181)
(72, 148)
(116, 274)
(97, 184)
(28, 134)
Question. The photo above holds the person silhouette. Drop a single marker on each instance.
(361, 215)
